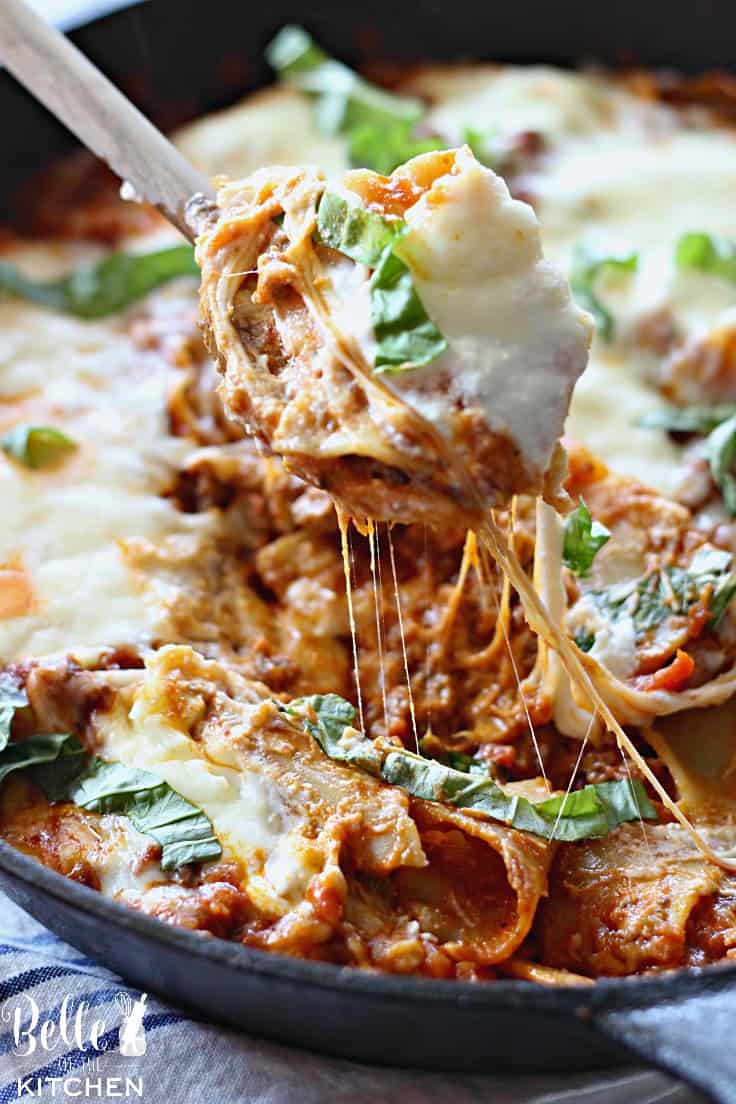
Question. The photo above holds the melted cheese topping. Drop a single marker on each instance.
(124, 867)
(516, 342)
(624, 172)
(247, 814)
(274, 127)
(65, 526)
(617, 170)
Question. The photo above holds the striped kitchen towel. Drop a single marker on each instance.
(71, 1030)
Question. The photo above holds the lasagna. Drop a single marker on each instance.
(363, 744)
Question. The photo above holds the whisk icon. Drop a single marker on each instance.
(132, 1031)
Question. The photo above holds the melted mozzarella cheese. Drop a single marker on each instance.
(609, 399)
(247, 813)
(65, 526)
(615, 640)
(617, 169)
(274, 127)
(639, 190)
(516, 342)
(123, 867)
(494, 100)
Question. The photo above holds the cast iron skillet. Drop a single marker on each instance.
(179, 58)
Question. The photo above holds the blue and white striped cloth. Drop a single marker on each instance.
(193, 1063)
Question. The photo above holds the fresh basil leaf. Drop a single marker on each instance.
(477, 141)
(721, 598)
(343, 100)
(37, 446)
(31, 752)
(349, 228)
(587, 266)
(293, 51)
(152, 806)
(583, 538)
(687, 419)
(333, 715)
(64, 771)
(488, 148)
(585, 639)
(720, 449)
(406, 337)
(458, 760)
(713, 565)
(12, 698)
(57, 776)
(383, 147)
(105, 288)
(708, 253)
(325, 717)
(582, 814)
(671, 591)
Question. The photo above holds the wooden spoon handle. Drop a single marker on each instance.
(74, 90)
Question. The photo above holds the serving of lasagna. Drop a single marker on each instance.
(270, 669)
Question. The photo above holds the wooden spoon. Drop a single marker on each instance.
(75, 90)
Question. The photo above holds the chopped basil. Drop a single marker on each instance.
(31, 752)
(332, 716)
(719, 422)
(343, 99)
(687, 419)
(582, 814)
(12, 698)
(707, 253)
(349, 228)
(712, 565)
(458, 760)
(721, 452)
(582, 540)
(378, 125)
(585, 639)
(671, 591)
(721, 600)
(405, 335)
(60, 766)
(587, 266)
(383, 147)
(106, 287)
(37, 446)
(490, 148)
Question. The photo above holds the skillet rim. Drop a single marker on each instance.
(631, 991)
(87, 12)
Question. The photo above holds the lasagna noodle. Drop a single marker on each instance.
(279, 375)
(622, 905)
(290, 323)
(631, 902)
(157, 581)
(333, 862)
(633, 513)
